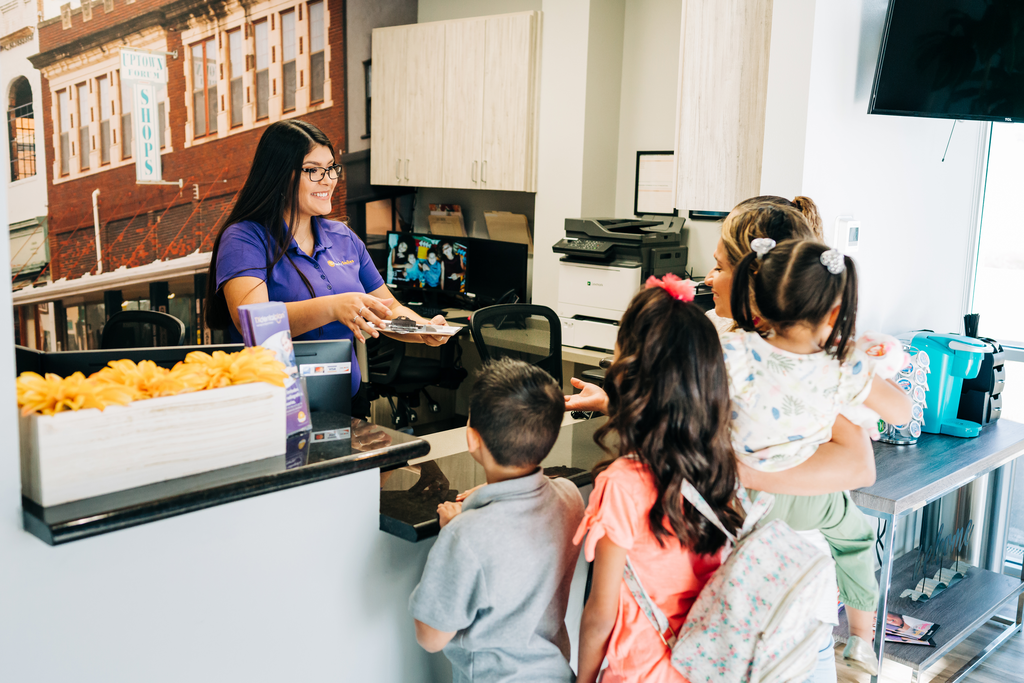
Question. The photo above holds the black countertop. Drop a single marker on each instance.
(410, 494)
(338, 445)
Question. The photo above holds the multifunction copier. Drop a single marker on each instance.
(604, 262)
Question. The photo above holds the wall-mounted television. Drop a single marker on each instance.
(958, 59)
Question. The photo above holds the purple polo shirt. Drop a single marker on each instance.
(339, 264)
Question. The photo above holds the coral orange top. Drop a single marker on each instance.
(673, 576)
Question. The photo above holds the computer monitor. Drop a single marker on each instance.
(427, 262)
(496, 269)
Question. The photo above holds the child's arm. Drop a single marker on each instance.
(430, 639)
(846, 462)
(601, 610)
(889, 401)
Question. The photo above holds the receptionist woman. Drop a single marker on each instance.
(276, 245)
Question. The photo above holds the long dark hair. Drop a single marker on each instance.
(790, 286)
(271, 186)
(668, 404)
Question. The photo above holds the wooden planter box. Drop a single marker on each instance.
(75, 455)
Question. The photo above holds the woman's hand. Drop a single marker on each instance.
(356, 311)
(591, 398)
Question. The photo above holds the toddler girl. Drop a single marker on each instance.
(788, 387)
(669, 414)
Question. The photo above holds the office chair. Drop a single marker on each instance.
(135, 329)
(528, 332)
(401, 379)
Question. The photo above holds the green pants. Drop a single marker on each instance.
(849, 533)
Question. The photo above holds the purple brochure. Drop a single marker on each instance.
(266, 325)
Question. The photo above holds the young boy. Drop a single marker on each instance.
(496, 584)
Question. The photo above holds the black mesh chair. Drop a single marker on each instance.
(401, 378)
(527, 332)
(137, 329)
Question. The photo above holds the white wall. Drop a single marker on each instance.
(650, 79)
(917, 212)
(443, 10)
(604, 89)
(361, 17)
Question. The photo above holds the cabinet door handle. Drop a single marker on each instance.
(398, 169)
(406, 169)
(474, 171)
(483, 171)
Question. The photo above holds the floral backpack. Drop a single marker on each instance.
(753, 621)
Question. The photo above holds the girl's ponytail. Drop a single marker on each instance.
(740, 299)
(844, 328)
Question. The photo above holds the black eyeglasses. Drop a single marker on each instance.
(316, 174)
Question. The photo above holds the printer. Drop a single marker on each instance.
(604, 263)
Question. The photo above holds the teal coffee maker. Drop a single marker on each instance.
(953, 358)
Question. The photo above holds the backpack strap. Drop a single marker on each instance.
(657, 618)
(755, 510)
(694, 498)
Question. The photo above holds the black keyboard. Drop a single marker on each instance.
(427, 312)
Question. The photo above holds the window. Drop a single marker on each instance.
(999, 278)
(106, 113)
(82, 97)
(21, 128)
(262, 70)
(204, 88)
(316, 52)
(236, 67)
(288, 60)
(127, 104)
(64, 113)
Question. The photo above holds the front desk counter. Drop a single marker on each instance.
(338, 445)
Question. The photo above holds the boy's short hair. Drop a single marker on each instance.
(517, 408)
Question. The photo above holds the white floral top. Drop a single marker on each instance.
(784, 404)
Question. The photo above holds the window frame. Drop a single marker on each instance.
(211, 127)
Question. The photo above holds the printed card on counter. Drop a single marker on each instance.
(404, 325)
(267, 325)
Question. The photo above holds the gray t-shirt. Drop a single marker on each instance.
(499, 576)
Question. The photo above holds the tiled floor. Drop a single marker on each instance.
(1005, 665)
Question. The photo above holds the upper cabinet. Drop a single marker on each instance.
(455, 104)
(723, 86)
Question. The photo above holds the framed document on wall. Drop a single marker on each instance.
(654, 194)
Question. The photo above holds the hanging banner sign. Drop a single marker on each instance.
(138, 65)
(147, 140)
(147, 70)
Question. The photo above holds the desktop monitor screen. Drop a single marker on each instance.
(426, 262)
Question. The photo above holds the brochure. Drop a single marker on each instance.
(266, 325)
(404, 325)
(899, 628)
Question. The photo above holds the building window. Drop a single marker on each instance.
(236, 67)
(204, 87)
(127, 104)
(64, 114)
(317, 75)
(21, 128)
(262, 70)
(82, 97)
(106, 114)
(288, 60)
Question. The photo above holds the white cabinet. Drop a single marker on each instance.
(723, 86)
(407, 104)
(462, 113)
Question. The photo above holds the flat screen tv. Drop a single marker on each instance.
(958, 59)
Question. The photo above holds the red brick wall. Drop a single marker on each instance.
(140, 223)
(52, 34)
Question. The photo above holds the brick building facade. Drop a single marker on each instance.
(78, 59)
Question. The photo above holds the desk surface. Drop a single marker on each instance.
(409, 499)
(911, 476)
(345, 445)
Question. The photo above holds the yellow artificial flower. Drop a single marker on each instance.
(145, 380)
(51, 394)
(254, 364)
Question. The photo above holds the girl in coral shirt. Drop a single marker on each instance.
(669, 411)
